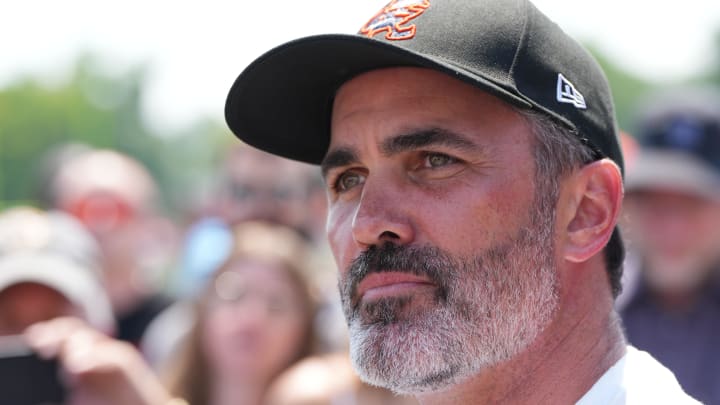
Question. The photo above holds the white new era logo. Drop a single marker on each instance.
(567, 93)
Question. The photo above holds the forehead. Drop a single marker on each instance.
(406, 99)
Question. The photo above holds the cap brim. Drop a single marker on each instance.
(282, 102)
(672, 171)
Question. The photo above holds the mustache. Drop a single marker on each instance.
(425, 261)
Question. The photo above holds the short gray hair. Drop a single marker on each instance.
(558, 151)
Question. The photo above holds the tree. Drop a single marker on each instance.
(98, 110)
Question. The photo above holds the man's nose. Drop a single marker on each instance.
(381, 216)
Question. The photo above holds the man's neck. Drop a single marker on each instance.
(564, 362)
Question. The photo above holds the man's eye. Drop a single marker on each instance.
(438, 160)
(348, 180)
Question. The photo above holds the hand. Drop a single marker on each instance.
(99, 370)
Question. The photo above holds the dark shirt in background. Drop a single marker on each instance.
(132, 325)
(688, 343)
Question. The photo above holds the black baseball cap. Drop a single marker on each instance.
(679, 138)
(282, 102)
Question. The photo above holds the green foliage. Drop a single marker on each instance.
(627, 89)
(98, 110)
(630, 90)
(103, 110)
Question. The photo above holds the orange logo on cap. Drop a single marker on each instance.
(394, 19)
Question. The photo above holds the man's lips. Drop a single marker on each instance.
(378, 285)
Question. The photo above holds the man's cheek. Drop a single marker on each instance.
(339, 232)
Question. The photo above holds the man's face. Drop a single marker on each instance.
(444, 247)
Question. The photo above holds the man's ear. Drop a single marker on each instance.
(593, 198)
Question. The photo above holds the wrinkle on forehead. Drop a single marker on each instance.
(377, 106)
(420, 88)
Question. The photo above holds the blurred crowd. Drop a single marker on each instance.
(139, 308)
(237, 303)
(671, 304)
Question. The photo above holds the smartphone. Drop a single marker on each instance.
(25, 378)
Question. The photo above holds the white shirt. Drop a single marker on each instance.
(637, 379)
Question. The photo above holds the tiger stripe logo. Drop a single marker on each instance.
(395, 19)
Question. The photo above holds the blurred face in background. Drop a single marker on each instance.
(24, 304)
(256, 323)
(261, 186)
(678, 236)
(114, 196)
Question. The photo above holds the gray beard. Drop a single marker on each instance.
(486, 310)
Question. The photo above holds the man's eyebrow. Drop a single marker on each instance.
(336, 158)
(400, 143)
(423, 138)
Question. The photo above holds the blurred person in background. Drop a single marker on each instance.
(673, 211)
(254, 319)
(250, 185)
(49, 267)
(50, 275)
(256, 185)
(329, 380)
(97, 369)
(115, 197)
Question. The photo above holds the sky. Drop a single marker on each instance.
(194, 50)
